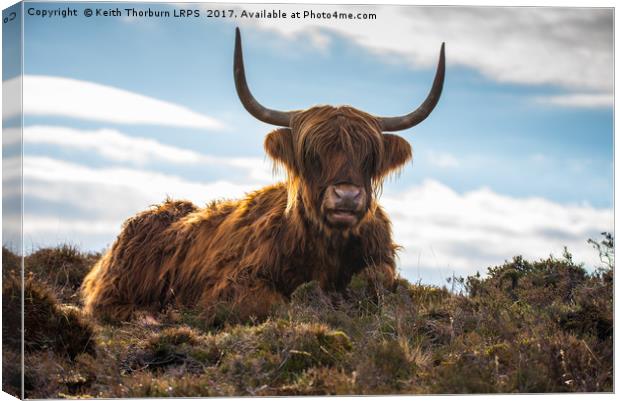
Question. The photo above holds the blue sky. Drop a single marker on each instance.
(524, 128)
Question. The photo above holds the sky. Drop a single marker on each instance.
(516, 159)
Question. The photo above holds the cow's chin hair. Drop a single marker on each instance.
(319, 215)
(341, 221)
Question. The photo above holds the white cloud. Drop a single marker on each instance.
(11, 136)
(539, 158)
(11, 98)
(440, 228)
(56, 96)
(152, 186)
(119, 147)
(63, 226)
(589, 100)
(442, 159)
(568, 47)
(110, 195)
(11, 169)
(110, 143)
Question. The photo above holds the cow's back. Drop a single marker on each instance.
(127, 275)
(178, 254)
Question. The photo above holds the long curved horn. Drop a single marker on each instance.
(419, 114)
(275, 117)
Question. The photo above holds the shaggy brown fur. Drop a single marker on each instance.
(242, 257)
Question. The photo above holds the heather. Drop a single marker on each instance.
(524, 326)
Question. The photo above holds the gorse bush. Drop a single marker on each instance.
(526, 326)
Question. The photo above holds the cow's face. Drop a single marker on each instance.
(336, 158)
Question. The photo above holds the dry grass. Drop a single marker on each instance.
(543, 326)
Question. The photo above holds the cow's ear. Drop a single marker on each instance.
(279, 146)
(397, 152)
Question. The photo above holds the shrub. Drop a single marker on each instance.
(63, 268)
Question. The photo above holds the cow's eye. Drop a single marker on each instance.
(368, 165)
(315, 165)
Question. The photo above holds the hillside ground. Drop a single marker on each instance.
(527, 327)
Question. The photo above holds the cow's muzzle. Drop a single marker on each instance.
(344, 204)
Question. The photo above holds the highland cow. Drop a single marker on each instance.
(242, 257)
